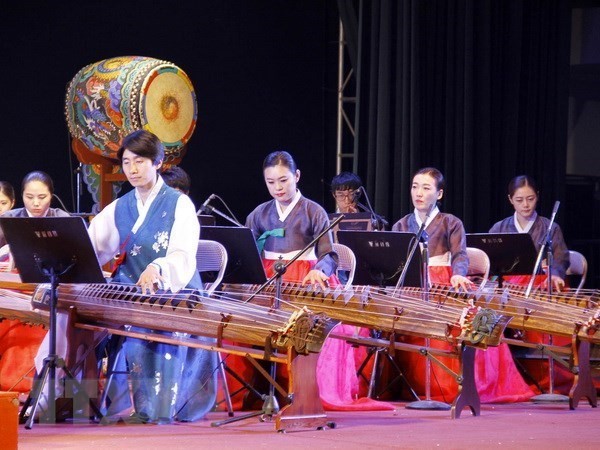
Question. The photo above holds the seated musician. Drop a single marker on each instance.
(345, 190)
(523, 196)
(19, 342)
(177, 178)
(37, 190)
(448, 264)
(7, 201)
(283, 227)
(7, 196)
(155, 230)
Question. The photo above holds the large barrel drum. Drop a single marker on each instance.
(109, 99)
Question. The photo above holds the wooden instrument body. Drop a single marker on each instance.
(562, 314)
(16, 305)
(290, 337)
(190, 311)
(376, 309)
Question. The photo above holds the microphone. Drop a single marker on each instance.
(379, 222)
(552, 217)
(204, 208)
(431, 208)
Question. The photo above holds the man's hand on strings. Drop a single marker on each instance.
(316, 277)
(150, 279)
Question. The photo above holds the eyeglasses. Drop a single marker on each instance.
(344, 195)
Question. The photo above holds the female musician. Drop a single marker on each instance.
(19, 343)
(37, 191)
(523, 196)
(285, 225)
(448, 261)
(7, 196)
(155, 229)
(448, 264)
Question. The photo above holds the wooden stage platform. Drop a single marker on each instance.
(507, 426)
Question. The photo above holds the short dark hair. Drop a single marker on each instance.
(280, 157)
(7, 189)
(177, 178)
(345, 181)
(520, 181)
(144, 144)
(38, 175)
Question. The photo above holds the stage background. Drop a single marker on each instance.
(259, 68)
(265, 76)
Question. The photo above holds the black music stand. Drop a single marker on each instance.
(270, 405)
(509, 253)
(244, 265)
(360, 221)
(380, 259)
(49, 249)
(206, 220)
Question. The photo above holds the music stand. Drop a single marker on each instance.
(509, 253)
(46, 249)
(513, 254)
(244, 265)
(380, 257)
(360, 221)
(206, 220)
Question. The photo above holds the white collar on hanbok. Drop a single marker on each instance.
(434, 213)
(31, 215)
(527, 227)
(284, 213)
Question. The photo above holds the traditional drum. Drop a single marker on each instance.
(109, 99)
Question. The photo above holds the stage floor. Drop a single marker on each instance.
(547, 426)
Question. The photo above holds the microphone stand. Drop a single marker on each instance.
(378, 222)
(546, 249)
(428, 403)
(413, 249)
(212, 209)
(270, 404)
(423, 238)
(78, 177)
(280, 267)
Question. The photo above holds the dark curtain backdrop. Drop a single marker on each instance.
(475, 88)
(264, 73)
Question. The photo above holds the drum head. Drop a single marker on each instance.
(168, 105)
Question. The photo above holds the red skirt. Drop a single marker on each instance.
(496, 376)
(538, 369)
(339, 385)
(19, 344)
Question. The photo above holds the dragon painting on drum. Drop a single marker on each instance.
(109, 99)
